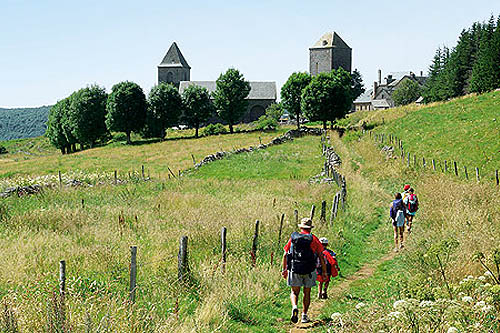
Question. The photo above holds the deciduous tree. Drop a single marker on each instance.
(164, 110)
(126, 108)
(408, 91)
(291, 93)
(197, 106)
(230, 96)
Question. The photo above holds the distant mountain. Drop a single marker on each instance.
(21, 123)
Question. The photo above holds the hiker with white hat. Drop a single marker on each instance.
(332, 269)
(299, 266)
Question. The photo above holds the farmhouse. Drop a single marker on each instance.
(175, 69)
(380, 97)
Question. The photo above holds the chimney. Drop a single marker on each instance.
(375, 86)
(379, 76)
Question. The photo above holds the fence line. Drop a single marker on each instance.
(445, 167)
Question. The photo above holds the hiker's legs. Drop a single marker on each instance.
(325, 289)
(410, 221)
(307, 299)
(320, 289)
(294, 295)
(401, 233)
(395, 237)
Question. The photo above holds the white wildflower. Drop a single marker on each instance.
(488, 274)
(336, 316)
(467, 299)
(452, 330)
(360, 305)
(426, 304)
(479, 304)
(481, 278)
(400, 304)
(395, 315)
(487, 308)
(487, 285)
(470, 277)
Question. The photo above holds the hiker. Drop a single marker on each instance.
(332, 269)
(411, 204)
(404, 195)
(398, 213)
(299, 266)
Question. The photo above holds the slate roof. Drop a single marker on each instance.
(174, 58)
(258, 89)
(365, 97)
(380, 103)
(330, 39)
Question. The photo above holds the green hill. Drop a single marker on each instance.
(23, 122)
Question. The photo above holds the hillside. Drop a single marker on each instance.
(23, 122)
(92, 228)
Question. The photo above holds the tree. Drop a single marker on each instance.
(291, 93)
(164, 110)
(197, 106)
(328, 96)
(67, 125)
(54, 131)
(230, 96)
(357, 87)
(126, 108)
(407, 92)
(87, 114)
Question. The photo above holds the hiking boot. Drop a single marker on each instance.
(305, 319)
(324, 296)
(401, 246)
(295, 315)
(396, 249)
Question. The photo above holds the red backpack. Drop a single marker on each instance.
(412, 203)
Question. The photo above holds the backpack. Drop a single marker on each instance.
(397, 206)
(301, 258)
(412, 203)
(331, 271)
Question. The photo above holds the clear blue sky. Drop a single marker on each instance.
(50, 48)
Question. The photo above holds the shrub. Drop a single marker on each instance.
(3, 150)
(266, 124)
(213, 129)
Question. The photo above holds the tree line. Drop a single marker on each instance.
(324, 97)
(88, 115)
(472, 66)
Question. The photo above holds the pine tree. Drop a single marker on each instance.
(484, 72)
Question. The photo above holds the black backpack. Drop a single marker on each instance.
(301, 258)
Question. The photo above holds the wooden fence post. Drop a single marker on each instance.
(456, 168)
(83, 203)
(60, 178)
(433, 165)
(415, 161)
(322, 218)
(254, 243)
(296, 214)
(142, 171)
(223, 247)
(182, 260)
(445, 166)
(408, 161)
(423, 161)
(465, 172)
(332, 212)
(496, 177)
(477, 175)
(62, 278)
(133, 273)
(281, 229)
(194, 161)
(116, 177)
(313, 208)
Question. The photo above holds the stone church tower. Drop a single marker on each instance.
(173, 68)
(330, 52)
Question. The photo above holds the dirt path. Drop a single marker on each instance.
(334, 292)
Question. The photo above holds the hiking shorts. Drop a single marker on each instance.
(301, 280)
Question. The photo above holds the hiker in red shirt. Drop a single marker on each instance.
(299, 266)
(332, 269)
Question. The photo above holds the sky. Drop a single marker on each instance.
(48, 49)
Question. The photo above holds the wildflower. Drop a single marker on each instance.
(336, 316)
(467, 299)
(488, 274)
(487, 285)
(400, 304)
(479, 304)
(481, 278)
(452, 330)
(360, 305)
(395, 315)
(426, 303)
(487, 308)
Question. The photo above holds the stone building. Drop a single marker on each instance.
(175, 69)
(330, 52)
(380, 96)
